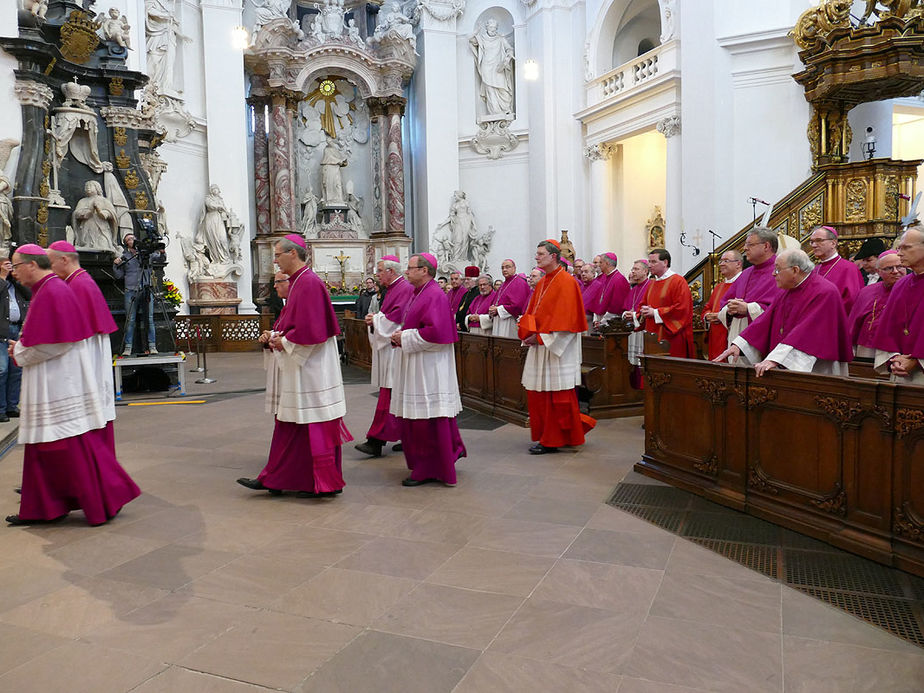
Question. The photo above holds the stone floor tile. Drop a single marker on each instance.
(688, 558)
(23, 582)
(438, 526)
(627, 548)
(848, 668)
(563, 512)
(254, 580)
(570, 635)
(392, 664)
(367, 519)
(399, 557)
(96, 553)
(626, 589)
(345, 596)
(631, 685)
(315, 547)
(717, 658)
(19, 645)
(493, 571)
(271, 649)
(79, 667)
(498, 673)
(540, 538)
(450, 615)
(168, 629)
(721, 601)
(170, 567)
(81, 607)
(176, 679)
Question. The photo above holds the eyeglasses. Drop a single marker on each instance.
(280, 281)
(894, 268)
(778, 271)
(17, 264)
(282, 253)
(410, 267)
(722, 262)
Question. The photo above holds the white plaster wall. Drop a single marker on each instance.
(638, 186)
(10, 112)
(878, 115)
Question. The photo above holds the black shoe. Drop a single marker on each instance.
(322, 494)
(257, 485)
(17, 521)
(370, 447)
(4, 418)
(18, 490)
(397, 447)
(414, 482)
(540, 449)
(13, 413)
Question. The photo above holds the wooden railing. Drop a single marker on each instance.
(836, 458)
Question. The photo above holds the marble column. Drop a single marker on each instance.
(261, 166)
(282, 219)
(377, 129)
(673, 197)
(600, 198)
(394, 166)
(30, 201)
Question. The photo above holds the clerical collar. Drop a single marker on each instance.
(828, 259)
(396, 279)
(666, 275)
(800, 283)
(729, 281)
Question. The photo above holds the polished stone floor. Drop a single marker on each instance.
(519, 579)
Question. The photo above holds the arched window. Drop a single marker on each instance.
(645, 45)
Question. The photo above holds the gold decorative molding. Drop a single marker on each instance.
(41, 214)
(119, 136)
(78, 37)
(856, 190)
(131, 179)
(116, 86)
(122, 159)
(141, 200)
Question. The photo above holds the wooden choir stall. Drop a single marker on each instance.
(838, 458)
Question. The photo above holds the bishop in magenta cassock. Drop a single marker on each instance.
(382, 325)
(840, 271)
(668, 306)
(755, 288)
(455, 293)
(65, 262)
(867, 310)
(306, 394)
(613, 292)
(425, 393)
(69, 462)
(899, 339)
(804, 330)
(510, 301)
(551, 327)
(730, 269)
(478, 320)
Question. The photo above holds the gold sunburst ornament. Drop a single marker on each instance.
(327, 92)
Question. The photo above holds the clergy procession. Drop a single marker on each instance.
(782, 311)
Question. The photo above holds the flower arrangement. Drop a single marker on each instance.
(172, 294)
(336, 289)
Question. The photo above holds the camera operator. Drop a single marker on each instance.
(14, 301)
(137, 274)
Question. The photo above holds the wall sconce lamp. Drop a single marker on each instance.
(531, 70)
(240, 39)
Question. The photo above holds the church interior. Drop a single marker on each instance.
(718, 532)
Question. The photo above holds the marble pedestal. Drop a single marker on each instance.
(213, 298)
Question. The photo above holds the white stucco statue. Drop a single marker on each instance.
(332, 17)
(266, 11)
(160, 31)
(37, 8)
(6, 211)
(95, 220)
(214, 230)
(494, 60)
(459, 228)
(354, 217)
(353, 34)
(114, 27)
(394, 24)
(309, 214)
(331, 178)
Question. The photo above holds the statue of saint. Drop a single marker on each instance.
(309, 214)
(354, 212)
(213, 231)
(6, 211)
(494, 60)
(160, 30)
(95, 220)
(331, 179)
(459, 228)
(266, 11)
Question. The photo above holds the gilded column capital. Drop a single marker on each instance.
(670, 126)
(125, 117)
(32, 93)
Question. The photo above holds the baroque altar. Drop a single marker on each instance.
(327, 98)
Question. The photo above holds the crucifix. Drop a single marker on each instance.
(342, 259)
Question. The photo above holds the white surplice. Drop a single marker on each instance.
(504, 324)
(425, 384)
(383, 353)
(61, 395)
(555, 364)
(303, 383)
(790, 358)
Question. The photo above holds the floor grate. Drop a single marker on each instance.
(886, 597)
